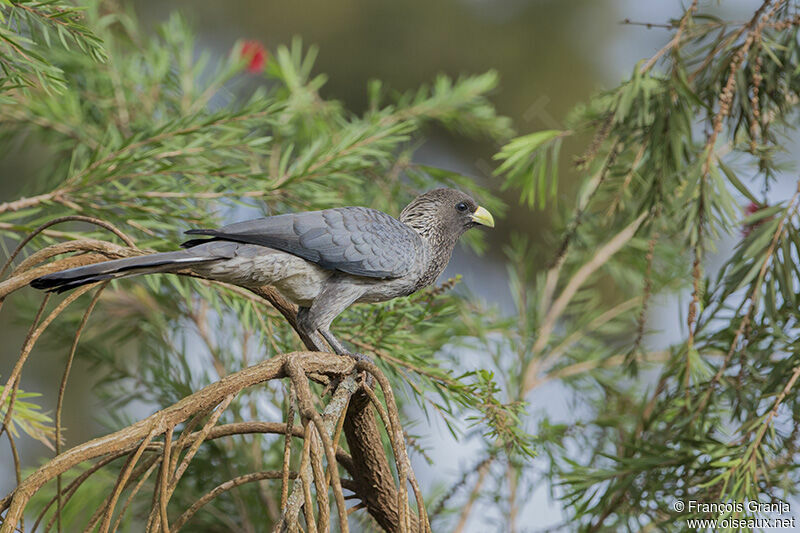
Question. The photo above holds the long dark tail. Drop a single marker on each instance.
(132, 266)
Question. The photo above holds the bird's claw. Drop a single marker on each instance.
(369, 380)
(361, 357)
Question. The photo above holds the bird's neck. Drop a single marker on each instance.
(439, 248)
(438, 242)
(420, 220)
(429, 228)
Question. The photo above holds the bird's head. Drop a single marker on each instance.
(443, 215)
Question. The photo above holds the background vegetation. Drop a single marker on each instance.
(151, 135)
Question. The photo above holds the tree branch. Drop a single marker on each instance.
(202, 400)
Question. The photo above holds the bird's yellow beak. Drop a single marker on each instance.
(483, 217)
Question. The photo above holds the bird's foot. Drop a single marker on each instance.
(340, 349)
(369, 380)
(360, 357)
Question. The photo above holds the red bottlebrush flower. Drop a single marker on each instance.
(255, 54)
(751, 209)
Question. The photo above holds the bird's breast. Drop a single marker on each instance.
(435, 257)
(424, 273)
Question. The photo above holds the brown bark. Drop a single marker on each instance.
(203, 400)
(371, 472)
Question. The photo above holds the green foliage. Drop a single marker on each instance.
(460, 105)
(28, 418)
(714, 420)
(28, 29)
(531, 164)
(88, 495)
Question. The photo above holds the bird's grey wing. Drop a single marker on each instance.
(355, 240)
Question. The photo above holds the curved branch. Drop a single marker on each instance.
(63, 387)
(107, 249)
(204, 399)
(397, 438)
(330, 416)
(33, 337)
(225, 430)
(325, 429)
(222, 487)
(235, 482)
(70, 218)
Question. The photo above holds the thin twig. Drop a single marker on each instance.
(31, 340)
(178, 473)
(725, 103)
(791, 210)
(133, 494)
(483, 470)
(287, 446)
(676, 39)
(71, 218)
(336, 406)
(578, 279)
(17, 469)
(14, 385)
(223, 487)
(320, 484)
(163, 484)
(305, 475)
(73, 487)
(763, 429)
(303, 397)
(63, 387)
(121, 481)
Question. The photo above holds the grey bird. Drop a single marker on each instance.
(323, 261)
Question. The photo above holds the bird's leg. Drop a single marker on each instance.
(337, 346)
(310, 324)
(337, 296)
(311, 329)
(307, 331)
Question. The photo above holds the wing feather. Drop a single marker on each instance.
(355, 240)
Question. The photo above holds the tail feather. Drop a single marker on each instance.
(147, 264)
(69, 285)
(209, 235)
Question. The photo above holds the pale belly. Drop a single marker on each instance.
(302, 289)
(295, 278)
(386, 289)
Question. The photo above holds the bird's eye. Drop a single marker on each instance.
(461, 206)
